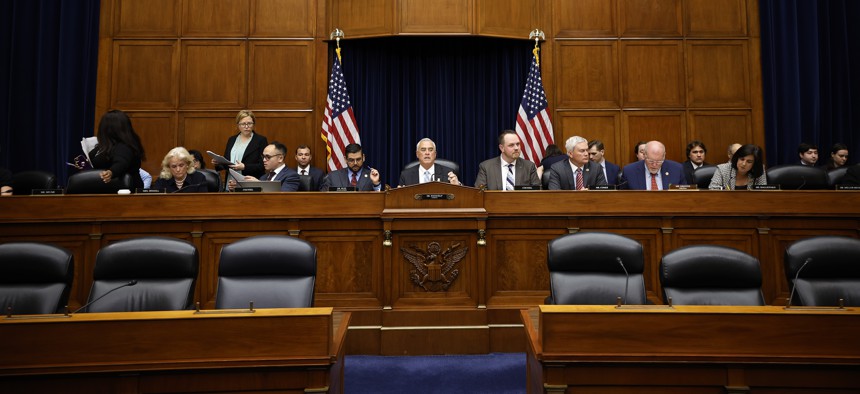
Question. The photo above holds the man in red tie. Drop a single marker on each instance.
(653, 173)
(578, 172)
(355, 175)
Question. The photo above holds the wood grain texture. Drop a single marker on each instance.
(283, 18)
(436, 16)
(506, 18)
(212, 74)
(650, 18)
(215, 18)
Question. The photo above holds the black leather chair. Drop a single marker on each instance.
(702, 176)
(273, 271)
(829, 269)
(584, 269)
(35, 278)
(710, 275)
(213, 180)
(834, 177)
(447, 163)
(24, 182)
(797, 177)
(144, 274)
(544, 179)
(90, 182)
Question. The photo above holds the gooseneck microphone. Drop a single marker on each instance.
(130, 283)
(187, 187)
(626, 280)
(801, 188)
(794, 283)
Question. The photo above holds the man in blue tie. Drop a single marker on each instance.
(356, 174)
(508, 169)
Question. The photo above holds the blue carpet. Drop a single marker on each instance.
(496, 373)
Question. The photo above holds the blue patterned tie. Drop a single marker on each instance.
(510, 178)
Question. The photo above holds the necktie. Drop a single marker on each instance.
(654, 182)
(354, 179)
(579, 179)
(271, 176)
(304, 172)
(509, 184)
(426, 176)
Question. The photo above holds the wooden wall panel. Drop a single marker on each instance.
(745, 240)
(361, 18)
(588, 74)
(594, 125)
(718, 129)
(291, 129)
(212, 74)
(506, 18)
(650, 18)
(584, 18)
(518, 266)
(667, 127)
(718, 73)
(144, 74)
(283, 18)
(206, 131)
(720, 18)
(146, 18)
(652, 73)
(157, 131)
(348, 267)
(436, 16)
(281, 74)
(215, 18)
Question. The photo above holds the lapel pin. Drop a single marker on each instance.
(667, 173)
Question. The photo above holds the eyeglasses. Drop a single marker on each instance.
(267, 157)
(355, 161)
(246, 124)
(653, 162)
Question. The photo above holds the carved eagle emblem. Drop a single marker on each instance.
(434, 269)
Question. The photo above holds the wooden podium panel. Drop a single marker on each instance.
(694, 349)
(302, 348)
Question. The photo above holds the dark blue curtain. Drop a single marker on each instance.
(459, 91)
(49, 77)
(811, 76)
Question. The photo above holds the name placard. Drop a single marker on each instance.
(847, 187)
(604, 187)
(47, 192)
(246, 189)
(342, 188)
(683, 187)
(527, 187)
(151, 191)
(765, 187)
(434, 196)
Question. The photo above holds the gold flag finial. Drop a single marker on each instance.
(538, 35)
(336, 35)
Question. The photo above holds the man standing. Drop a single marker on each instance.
(310, 177)
(508, 169)
(275, 169)
(654, 172)
(427, 170)
(596, 152)
(578, 172)
(808, 154)
(364, 179)
(695, 159)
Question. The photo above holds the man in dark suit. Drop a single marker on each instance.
(852, 176)
(427, 169)
(653, 173)
(310, 177)
(596, 150)
(364, 179)
(578, 172)
(808, 154)
(695, 159)
(275, 169)
(517, 171)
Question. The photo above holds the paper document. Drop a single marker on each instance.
(218, 158)
(88, 144)
(236, 175)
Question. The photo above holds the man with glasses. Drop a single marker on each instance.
(356, 174)
(653, 173)
(275, 169)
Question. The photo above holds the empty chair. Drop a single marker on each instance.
(584, 268)
(144, 274)
(826, 269)
(711, 275)
(447, 163)
(834, 177)
(213, 180)
(273, 271)
(24, 182)
(797, 177)
(90, 182)
(35, 278)
(703, 175)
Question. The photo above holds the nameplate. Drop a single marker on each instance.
(246, 189)
(527, 187)
(604, 187)
(434, 196)
(683, 187)
(151, 191)
(47, 192)
(342, 189)
(847, 187)
(765, 187)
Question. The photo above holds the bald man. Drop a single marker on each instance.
(654, 172)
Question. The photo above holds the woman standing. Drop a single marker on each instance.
(245, 149)
(178, 174)
(119, 150)
(742, 173)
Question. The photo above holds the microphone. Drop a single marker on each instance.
(623, 181)
(130, 283)
(187, 187)
(794, 283)
(799, 188)
(626, 280)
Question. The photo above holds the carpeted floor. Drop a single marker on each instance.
(496, 373)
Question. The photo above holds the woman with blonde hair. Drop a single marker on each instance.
(245, 149)
(178, 174)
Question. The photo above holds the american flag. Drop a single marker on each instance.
(338, 128)
(534, 126)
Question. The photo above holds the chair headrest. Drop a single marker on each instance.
(829, 257)
(709, 266)
(267, 255)
(33, 262)
(147, 257)
(795, 176)
(594, 252)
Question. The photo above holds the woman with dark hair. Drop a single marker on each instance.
(119, 150)
(742, 173)
(552, 155)
(198, 162)
(838, 156)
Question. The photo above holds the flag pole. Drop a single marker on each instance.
(336, 35)
(538, 35)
